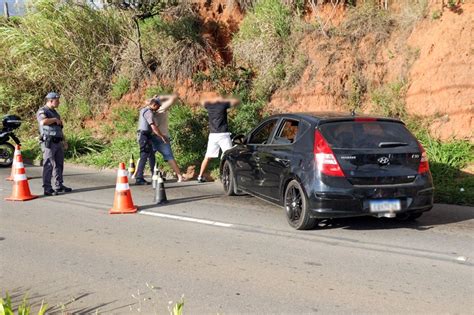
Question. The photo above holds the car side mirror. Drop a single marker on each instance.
(239, 139)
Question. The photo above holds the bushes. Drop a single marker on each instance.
(365, 19)
(260, 44)
(175, 49)
(188, 132)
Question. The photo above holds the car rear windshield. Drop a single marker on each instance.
(367, 134)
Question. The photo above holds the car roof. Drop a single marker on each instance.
(321, 117)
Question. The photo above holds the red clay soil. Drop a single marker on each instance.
(441, 85)
(442, 78)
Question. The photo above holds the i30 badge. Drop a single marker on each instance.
(383, 161)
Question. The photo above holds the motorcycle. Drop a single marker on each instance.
(9, 123)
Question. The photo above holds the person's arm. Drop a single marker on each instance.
(166, 102)
(233, 101)
(50, 121)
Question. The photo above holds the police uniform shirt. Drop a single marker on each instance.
(145, 120)
(46, 112)
(217, 116)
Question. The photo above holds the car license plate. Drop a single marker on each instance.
(385, 205)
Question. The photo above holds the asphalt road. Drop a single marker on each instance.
(225, 255)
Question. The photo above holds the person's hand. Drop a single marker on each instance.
(65, 145)
(165, 140)
(59, 122)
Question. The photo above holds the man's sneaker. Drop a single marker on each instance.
(141, 181)
(201, 179)
(63, 189)
(50, 192)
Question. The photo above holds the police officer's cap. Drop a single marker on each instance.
(52, 96)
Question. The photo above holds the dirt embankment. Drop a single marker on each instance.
(436, 61)
(442, 78)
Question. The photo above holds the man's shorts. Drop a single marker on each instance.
(163, 148)
(218, 141)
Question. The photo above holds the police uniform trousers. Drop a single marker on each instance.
(53, 164)
(146, 154)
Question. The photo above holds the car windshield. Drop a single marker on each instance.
(367, 134)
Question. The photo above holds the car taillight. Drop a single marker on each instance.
(424, 165)
(325, 158)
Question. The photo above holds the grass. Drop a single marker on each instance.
(389, 100)
(120, 87)
(52, 48)
(447, 159)
(125, 119)
(6, 307)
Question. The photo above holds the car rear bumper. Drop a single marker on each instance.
(357, 202)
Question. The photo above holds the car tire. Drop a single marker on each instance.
(6, 154)
(408, 216)
(227, 179)
(296, 207)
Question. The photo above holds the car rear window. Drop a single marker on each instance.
(367, 134)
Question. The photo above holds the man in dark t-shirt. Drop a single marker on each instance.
(219, 135)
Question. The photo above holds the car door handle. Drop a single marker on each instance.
(285, 162)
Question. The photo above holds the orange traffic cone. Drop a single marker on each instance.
(17, 152)
(21, 189)
(123, 202)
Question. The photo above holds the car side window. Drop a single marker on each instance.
(288, 132)
(262, 134)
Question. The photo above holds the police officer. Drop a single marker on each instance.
(52, 145)
(146, 128)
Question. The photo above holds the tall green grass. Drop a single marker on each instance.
(447, 159)
(60, 46)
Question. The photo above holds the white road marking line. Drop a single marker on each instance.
(176, 217)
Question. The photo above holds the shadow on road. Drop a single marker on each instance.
(440, 215)
(180, 200)
(80, 190)
(17, 296)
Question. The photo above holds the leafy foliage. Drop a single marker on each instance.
(188, 130)
(80, 144)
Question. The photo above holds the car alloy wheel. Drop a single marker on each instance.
(227, 179)
(296, 206)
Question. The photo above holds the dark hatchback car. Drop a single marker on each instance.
(331, 165)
